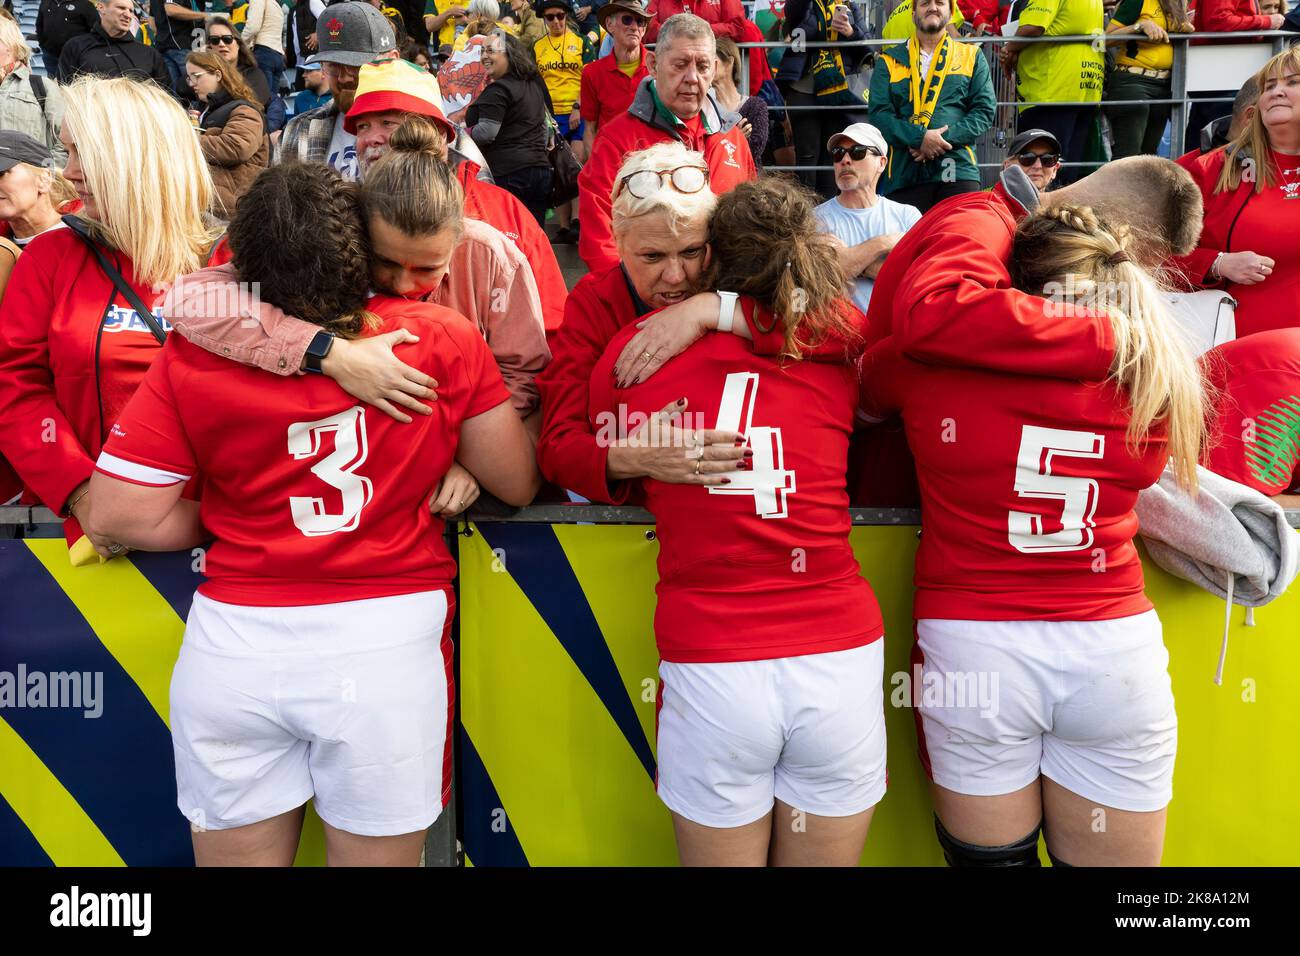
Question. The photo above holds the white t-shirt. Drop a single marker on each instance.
(852, 226)
(343, 151)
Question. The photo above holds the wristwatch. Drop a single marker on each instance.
(726, 310)
(320, 346)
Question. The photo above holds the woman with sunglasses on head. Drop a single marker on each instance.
(1038, 153)
(231, 128)
(664, 255)
(771, 735)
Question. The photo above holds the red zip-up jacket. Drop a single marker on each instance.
(945, 293)
(599, 306)
(725, 17)
(726, 151)
(505, 213)
(71, 354)
(1245, 220)
(1227, 16)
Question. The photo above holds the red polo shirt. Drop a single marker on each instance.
(607, 91)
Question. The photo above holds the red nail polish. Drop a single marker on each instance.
(726, 481)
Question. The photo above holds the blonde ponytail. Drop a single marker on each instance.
(1067, 252)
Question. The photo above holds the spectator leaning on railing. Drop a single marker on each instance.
(673, 103)
(932, 98)
(110, 50)
(1058, 73)
(28, 103)
(1222, 16)
(818, 76)
(1142, 71)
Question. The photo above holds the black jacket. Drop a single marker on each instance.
(101, 55)
(58, 21)
(301, 25)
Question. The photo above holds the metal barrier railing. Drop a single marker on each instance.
(990, 148)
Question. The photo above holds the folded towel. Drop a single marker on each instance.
(1227, 539)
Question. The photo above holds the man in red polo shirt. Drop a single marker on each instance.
(609, 84)
(673, 103)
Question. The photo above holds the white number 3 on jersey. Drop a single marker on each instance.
(768, 482)
(337, 469)
(1034, 479)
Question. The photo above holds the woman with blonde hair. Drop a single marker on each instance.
(77, 327)
(1251, 189)
(231, 128)
(1027, 576)
(28, 103)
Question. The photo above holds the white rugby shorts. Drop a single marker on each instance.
(346, 703)
(1088, 704)
(809, 731)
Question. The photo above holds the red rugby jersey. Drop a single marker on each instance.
(1027, 490)
(313, 497)
(1255, 437)
(760, 568)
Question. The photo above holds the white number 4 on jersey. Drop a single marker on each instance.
(769, 481)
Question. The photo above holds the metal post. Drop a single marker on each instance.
(1178, 92)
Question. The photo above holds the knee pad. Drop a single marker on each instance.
(1024, 852)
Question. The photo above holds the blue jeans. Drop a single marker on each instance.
(272, 64)
(175, 60)
(51, 65)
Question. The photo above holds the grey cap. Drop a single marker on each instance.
(1030, 135)
(18, 148)
(353, 34)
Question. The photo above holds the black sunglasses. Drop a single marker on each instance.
(856, 153)
(223, 40)
(629, 21)
(554, 16)
(1029, 157)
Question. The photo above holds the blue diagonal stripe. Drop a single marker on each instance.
(17, 845)
(119, 767)
(171, 576)
(537, 562)
(485, 845)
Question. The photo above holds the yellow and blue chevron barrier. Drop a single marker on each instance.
(557, 685)
(95, 791)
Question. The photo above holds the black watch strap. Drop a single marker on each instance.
(319, 347)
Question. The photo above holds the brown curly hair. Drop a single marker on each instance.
(299, 233)
(766, 244)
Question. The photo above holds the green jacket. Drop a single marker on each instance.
(965, 106)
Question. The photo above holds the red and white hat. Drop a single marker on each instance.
(398, 85)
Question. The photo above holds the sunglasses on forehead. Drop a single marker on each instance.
(684, 179)
(1029, 157)
(856, 152)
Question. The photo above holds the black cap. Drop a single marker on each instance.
(1028, 136)
(18, 148)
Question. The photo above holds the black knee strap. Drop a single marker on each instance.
(1023, 852)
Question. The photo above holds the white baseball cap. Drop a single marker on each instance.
(864, 134)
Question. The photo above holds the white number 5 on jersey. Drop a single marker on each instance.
(338, 470)
(768, 482)
(1034, 479)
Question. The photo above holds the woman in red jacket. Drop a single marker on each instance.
(73, 346)
(770, 719)
(1252, 196)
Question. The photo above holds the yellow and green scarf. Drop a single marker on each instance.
(926, 90)
(829, 80)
